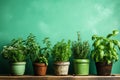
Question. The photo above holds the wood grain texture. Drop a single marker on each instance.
(49, 77)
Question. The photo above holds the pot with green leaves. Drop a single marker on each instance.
(39, 56)
(16, 54)
(80, 53)
(104, 52)
(61, 53)
(40, 66)
(41, 61)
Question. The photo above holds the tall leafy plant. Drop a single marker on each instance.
(105, 48)
(45, 52)
(33, 48)
(80, 49)
(46, 49)
(38, 54)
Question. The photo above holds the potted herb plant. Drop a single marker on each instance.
(104, 52)
(39, 56)
(16, 54)
(40, 65)
(80, 53)
(41, 61)
(61, 53)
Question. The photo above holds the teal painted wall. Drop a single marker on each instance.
(57, 19)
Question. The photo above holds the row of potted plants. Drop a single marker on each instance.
(104, 52)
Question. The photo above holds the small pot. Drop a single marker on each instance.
(61, 68)
(40, 69)
(18, 68)
(103, 69)
(81, 66)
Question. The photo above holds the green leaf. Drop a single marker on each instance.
(115, 32)
(118, 44)
(97, 42)
(109, 35)
(114, 53)
(94, 37)
(101, 54)
(101, 46)
(109, 61)
(111, 45)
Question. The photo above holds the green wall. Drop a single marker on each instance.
(57, 19)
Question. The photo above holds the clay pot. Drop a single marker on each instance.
(61, 68)
(18, 68)
(40, 69)
(103, 69)
(81, 66)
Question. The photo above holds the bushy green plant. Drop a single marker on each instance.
(41, 59)
(45, 52)
(15, 52)
(61, 51)
(38, 54)
(80, 49)
(46, 49)
(105, 48)
(33, 48)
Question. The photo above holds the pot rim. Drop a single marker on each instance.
(18, 63)
(81, 60)
(39, 64)
(62, 63)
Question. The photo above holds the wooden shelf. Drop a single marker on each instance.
(70, 77)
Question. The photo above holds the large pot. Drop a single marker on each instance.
(103, 68)
(40, 69)
(18, 68)
(61, 68)
(81, 66)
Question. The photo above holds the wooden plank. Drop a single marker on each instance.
(50, 77)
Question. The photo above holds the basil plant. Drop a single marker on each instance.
(105, 49)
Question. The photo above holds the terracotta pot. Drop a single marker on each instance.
(40, 69)
(61, 68)
(103, 69)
